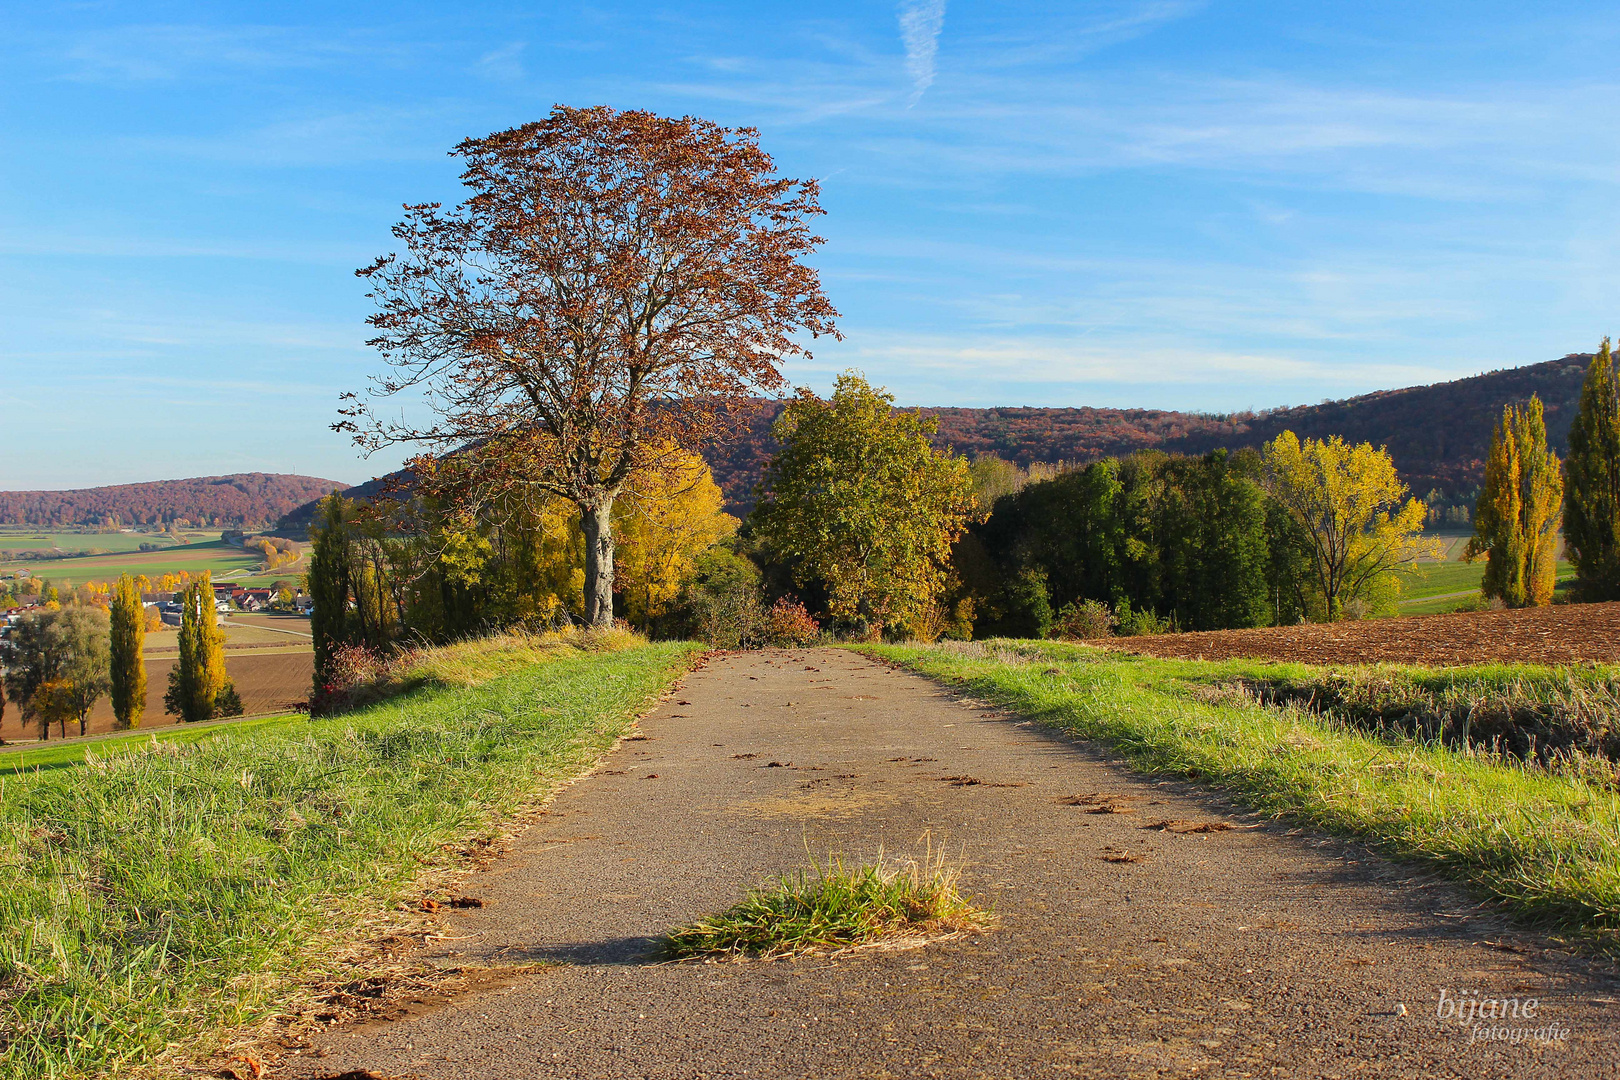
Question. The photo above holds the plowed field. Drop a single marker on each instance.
(1551, 635)
(269, 679)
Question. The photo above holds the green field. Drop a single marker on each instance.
(1426, 590)
(14, 538)
(215, 556)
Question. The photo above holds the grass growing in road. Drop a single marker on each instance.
(834, 907)
(150, 900)
(1543, 844)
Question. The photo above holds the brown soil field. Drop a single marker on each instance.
(268, 682)
(1551, 635)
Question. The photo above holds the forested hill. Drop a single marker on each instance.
(240, 500)
(1438, 434)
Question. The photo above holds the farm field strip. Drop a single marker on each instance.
(1562, 634)
(272, 678)
(1434, 580)
(215, 557)
(114, 543)
(34, 760)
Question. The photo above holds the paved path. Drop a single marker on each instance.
(1123, 951)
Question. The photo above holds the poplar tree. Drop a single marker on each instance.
(198, 679)
(1519, 509)
(128, 646)
(329, 572)
(1592, 482)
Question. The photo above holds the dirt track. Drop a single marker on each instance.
(1549, 635)
(1124, 950)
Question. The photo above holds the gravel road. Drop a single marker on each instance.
(1123, 950)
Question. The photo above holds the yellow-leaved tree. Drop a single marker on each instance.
(1519, 510)
(1360, 526)
(663, 521)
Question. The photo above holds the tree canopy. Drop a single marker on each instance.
(1519, 509)
(614, 287)
(1353, 510)
(860, 501)
(1592, 482)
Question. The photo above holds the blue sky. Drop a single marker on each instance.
(1207, 206)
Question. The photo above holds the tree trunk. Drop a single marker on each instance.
(597, 522)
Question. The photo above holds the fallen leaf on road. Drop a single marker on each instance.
(1190, 826)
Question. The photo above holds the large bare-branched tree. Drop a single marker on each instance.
(614, 287)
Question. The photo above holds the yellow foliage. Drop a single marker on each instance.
(662, 522)
(1519, 511)
(55, 702)
(1353, 509)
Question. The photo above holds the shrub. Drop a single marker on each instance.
(228, 702)
(724, 601)
(357, 676)
(1084, 620)
(1137, 623)
(790, 623)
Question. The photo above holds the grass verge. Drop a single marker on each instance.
(150, 901)
(1567, 718)
(34, 762)
(834, 907)
(1544, 845)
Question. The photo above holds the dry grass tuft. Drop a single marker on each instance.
(835, 907)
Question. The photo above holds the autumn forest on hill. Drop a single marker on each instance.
(1438, 435)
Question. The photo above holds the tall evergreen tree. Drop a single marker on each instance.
(1517, 516)
(329, 572)
(128, 646)
(1592, 482)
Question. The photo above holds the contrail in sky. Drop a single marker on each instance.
(920, 24)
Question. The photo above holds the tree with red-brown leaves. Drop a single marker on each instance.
(615, 287)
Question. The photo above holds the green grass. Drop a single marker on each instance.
(1541, 844)
(834, 907)
(151, 900)
(1437, 579)
(36, 761)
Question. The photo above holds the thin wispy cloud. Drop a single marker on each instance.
(503, 64)
(920, 24)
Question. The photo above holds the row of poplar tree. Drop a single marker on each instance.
(1529, 497)
(58, 664)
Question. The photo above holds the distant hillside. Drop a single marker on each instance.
(1438, 434)
(247, 500)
